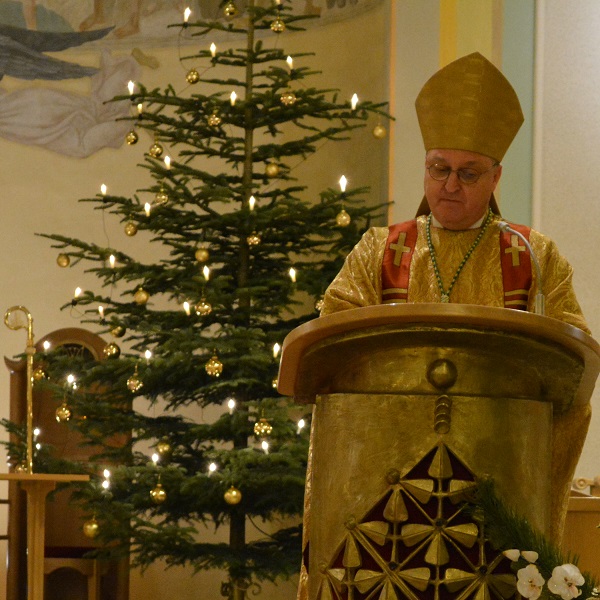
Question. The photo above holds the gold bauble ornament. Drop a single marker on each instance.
(203, 308)
(214, 367)
(161, 197)
(272, 170)
(141, 296)
(253, 239)
(91, 528)
(111, 351)
(278, 26)
(21, 468)
(130, 229)
(233, 496)
(379, 131)
(134, 383)
(39, 374)
(131, 138)
(118, 331)
(262, 427)
(163, 448)
(156, 150)
(202, 255)
(193, 76)
(214, 120)
(288, 98)
(158, 494)
(63, 413)
(343, 218)
(63, 260)
(230, 9)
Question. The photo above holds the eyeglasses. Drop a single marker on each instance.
(465, 175)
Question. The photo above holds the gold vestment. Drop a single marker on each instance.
(480, 282)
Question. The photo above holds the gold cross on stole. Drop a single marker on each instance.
(399, 248)
(514, 250)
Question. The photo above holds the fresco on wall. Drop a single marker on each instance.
(79, 125)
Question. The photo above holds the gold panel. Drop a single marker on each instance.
(360, 439)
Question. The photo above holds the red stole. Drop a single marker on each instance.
(399, 250)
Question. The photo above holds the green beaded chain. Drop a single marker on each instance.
(445, 294)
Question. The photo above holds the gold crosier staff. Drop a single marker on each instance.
(30, 351)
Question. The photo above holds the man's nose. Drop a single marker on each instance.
(453, 182)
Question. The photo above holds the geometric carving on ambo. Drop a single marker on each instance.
(442, 414)
(442, 373)
(418, 541)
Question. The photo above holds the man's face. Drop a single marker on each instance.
(455, 204)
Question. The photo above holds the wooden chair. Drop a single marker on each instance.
(65, 544)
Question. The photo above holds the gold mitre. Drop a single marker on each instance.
(469, 105)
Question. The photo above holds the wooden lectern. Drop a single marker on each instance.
(413, 403)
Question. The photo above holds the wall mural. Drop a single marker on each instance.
(79, 125)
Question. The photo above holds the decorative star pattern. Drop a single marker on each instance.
(419, 542)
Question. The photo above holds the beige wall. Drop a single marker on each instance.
(567, 136)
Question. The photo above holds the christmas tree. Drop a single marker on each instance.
(235, 256)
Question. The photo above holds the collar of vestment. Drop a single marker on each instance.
(475, 225)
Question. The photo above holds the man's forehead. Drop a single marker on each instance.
(463, 157)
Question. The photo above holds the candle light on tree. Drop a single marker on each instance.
(101, 311)
(343, 183)
(186, 308)
(290, 61)
(276, 349)
(168, 162)
(354, 101)
(140, 109)
(148, 355)
(103, 189)
(111, 261)
(251, 202)
(213, 49)
(131, 87)
(292, 273)
(233, 98)
(206, 272)
(231, 405)
(147, 208)
(186, 14)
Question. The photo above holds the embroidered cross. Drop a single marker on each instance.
(514, 250)
(399, 248)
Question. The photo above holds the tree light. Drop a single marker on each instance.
(290, 61)
(101, 311)
(213, 49)
(233, 98)
(354, 101)
(301, 425)
(155, 458)
(36, 432)
(103, 189)
(147, 208)
(231, 405)
(106, 473)
(106, 484)
(212, 468)
(46, 345)
(148, 355)
(131, 87)
(140, 108)
(251, 202)
(206, 272)
(168, 162)
(186, 14)
(343, 183)
(265, 446)
(292, 273)
(112, 260)
(77, 292)
(276, 349)
(186, 308)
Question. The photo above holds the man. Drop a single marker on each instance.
(454, 251)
